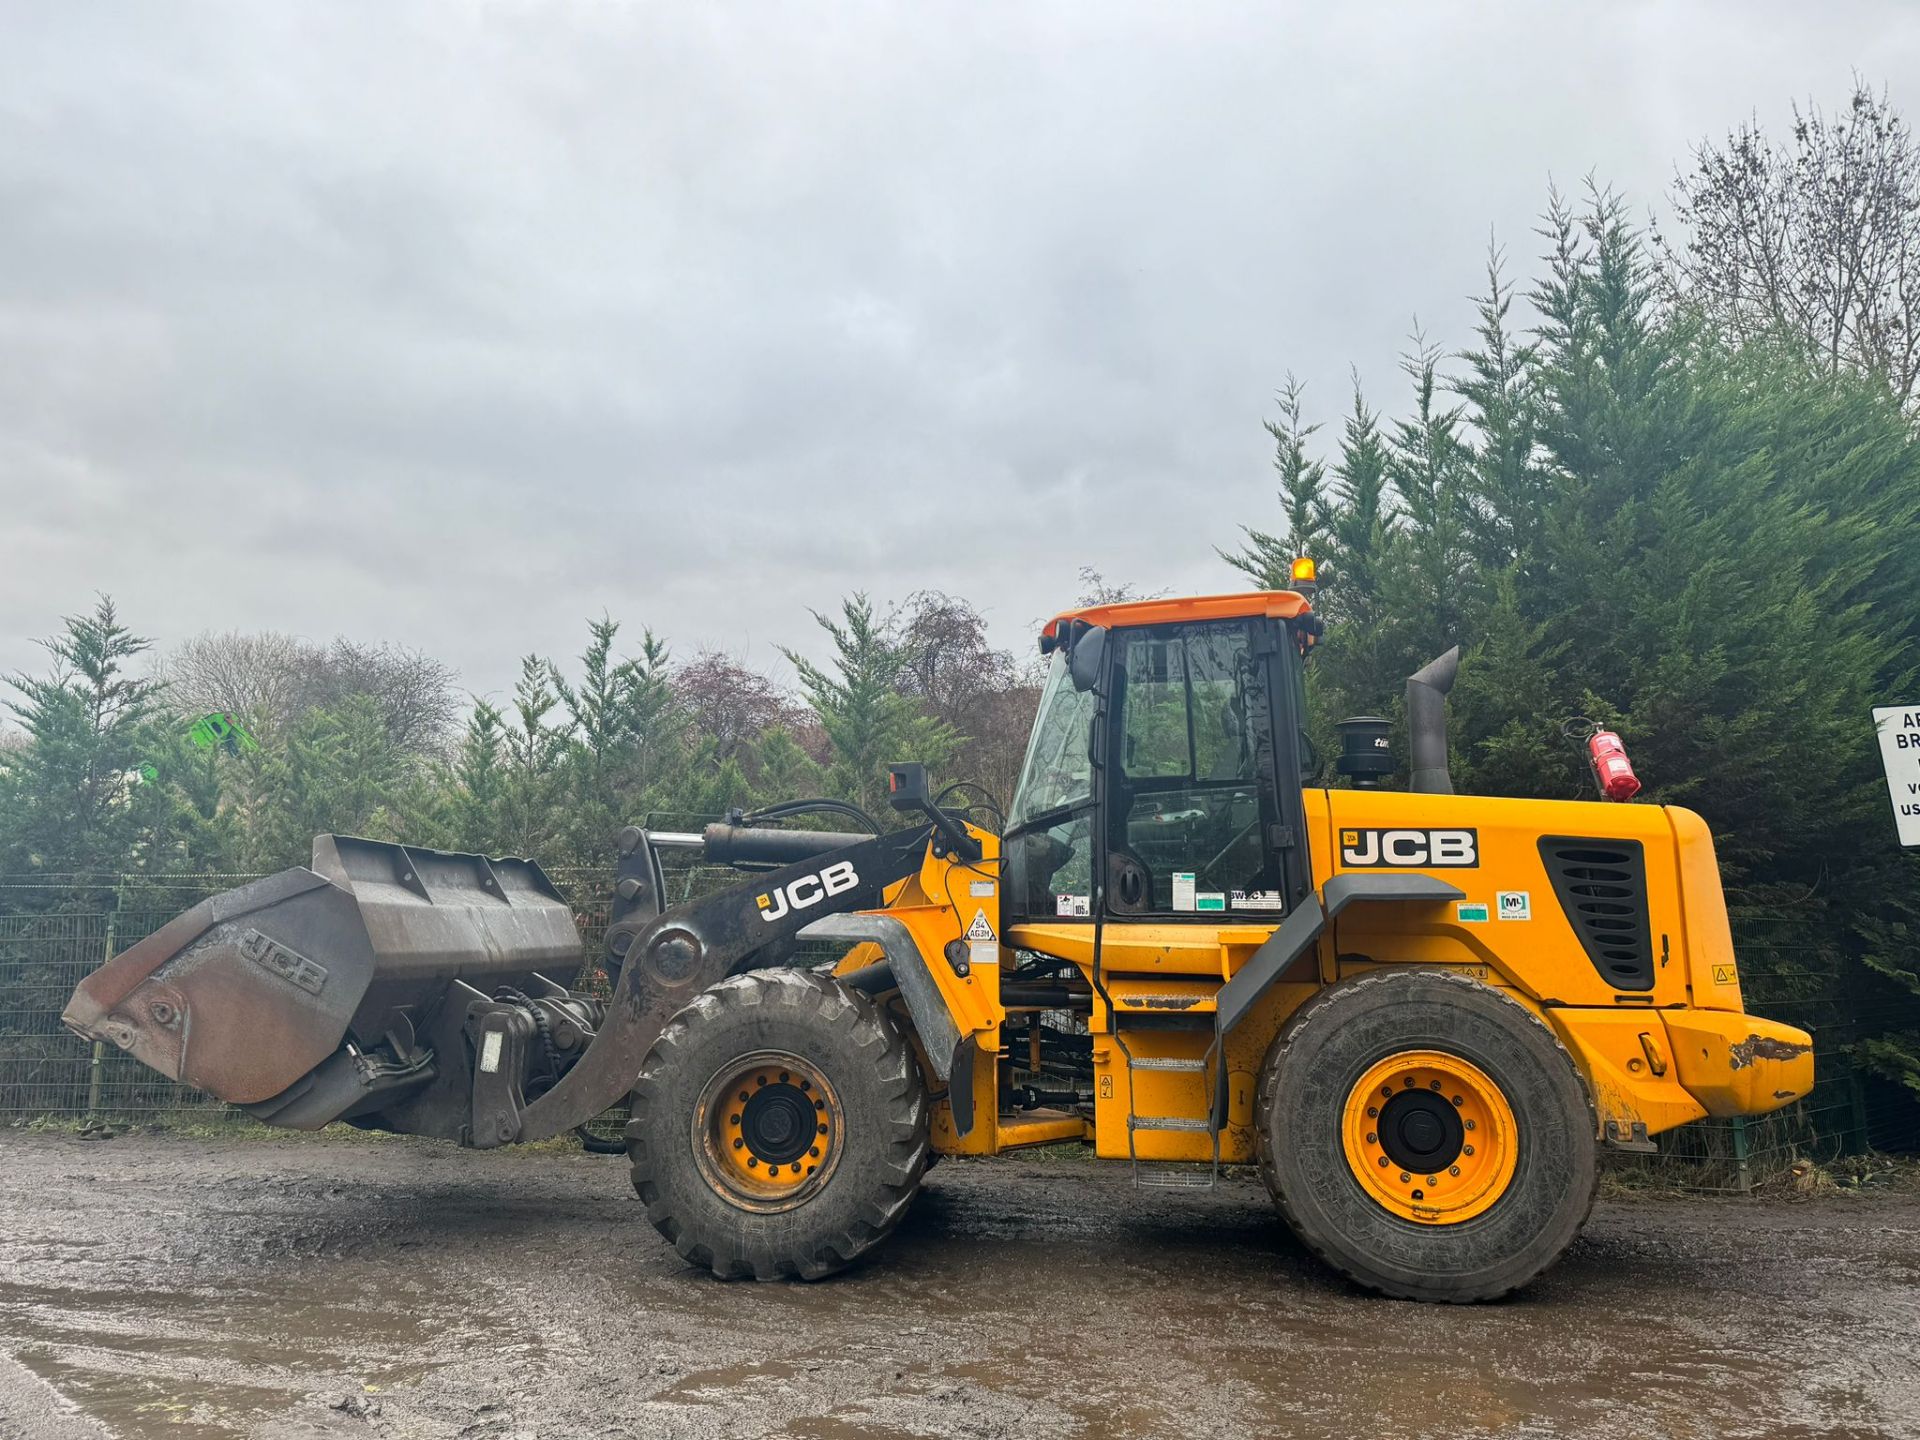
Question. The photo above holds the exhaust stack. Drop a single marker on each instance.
(1427, 691)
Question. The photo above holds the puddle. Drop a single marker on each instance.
(133, 1404)
(216, 1363)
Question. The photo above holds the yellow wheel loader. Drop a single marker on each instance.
(1419, 1014)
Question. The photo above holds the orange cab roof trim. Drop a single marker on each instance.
(1280, 604)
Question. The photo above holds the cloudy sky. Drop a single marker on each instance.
(455, 324)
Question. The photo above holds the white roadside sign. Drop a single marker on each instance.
(1899, 727)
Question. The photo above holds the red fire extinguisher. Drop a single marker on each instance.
(1606, 758)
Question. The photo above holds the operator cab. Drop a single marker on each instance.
(1165, 732)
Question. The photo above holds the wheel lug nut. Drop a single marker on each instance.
(1373, 1112)
(1469, 1124)
(1433, 1084)
(738, 1142)
(1404, 1177)
(1453, 1170)
(1467, 1151)
(1433, 1179)
(1372, 1138)
(1458, 1101)
(753, 1162)
(815, 1152)
(1383, 1162)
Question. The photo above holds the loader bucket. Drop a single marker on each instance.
(246, 994)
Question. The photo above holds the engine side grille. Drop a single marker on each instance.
(1602, 887)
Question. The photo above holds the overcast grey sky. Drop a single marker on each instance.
(455, 324)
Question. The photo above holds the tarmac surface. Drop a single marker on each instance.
(158, 1286)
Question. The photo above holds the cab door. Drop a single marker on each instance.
(1202, 726)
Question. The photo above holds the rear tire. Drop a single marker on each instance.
(779, 1127)
(1493, 1108)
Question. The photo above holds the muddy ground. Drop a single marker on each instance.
(177, 1288)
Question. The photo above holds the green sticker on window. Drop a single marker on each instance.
(1471, 912)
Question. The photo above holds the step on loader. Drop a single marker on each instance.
(1419, 1014)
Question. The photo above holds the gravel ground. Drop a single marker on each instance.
(169, 1287)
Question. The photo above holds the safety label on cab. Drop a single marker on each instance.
(1255, 900)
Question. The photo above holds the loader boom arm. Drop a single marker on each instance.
(684, 950)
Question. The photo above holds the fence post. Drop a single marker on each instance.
(99, 1046)
(1743, 1176)
(1857, 1111)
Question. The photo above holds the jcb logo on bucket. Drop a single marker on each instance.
(807, 890)
(1367, 849)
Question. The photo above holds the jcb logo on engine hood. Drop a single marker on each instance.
(807, 890)
(1433, 849)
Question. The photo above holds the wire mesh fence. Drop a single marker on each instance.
(53, 933)
(1791, 970)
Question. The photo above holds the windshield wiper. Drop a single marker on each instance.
(1047, 819)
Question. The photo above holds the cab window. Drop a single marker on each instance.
(1047, 856)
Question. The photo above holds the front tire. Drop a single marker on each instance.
(779, 1127)
(1426, 1135)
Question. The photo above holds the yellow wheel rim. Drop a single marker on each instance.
(1430, 1137)
(766, 1132)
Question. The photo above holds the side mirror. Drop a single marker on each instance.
(907, 787)
(1087, 658)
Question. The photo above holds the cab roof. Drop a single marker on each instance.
(1278, 604)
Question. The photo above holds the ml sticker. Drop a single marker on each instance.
(1516, 905)
(1471, 912)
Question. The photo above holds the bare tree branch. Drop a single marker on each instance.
(1816, 241)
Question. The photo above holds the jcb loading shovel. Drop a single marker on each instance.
(311, 996)
(1420, 1014)
(428, 992)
